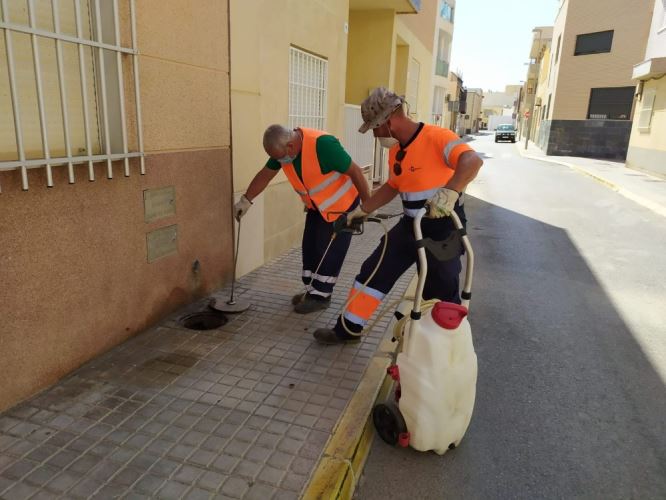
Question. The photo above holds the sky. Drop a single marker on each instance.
(492, 38)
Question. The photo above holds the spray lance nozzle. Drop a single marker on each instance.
(343, 225)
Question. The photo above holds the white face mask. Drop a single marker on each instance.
(387, 142)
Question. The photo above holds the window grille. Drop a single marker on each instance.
(65, 87)
(308, 81)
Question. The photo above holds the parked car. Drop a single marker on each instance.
(505, 132)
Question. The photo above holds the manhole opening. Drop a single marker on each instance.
(205, 320)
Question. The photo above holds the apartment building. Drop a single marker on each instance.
(532, 98)
(590, 93)
(647, 144)
(499, 104)
(444, 28)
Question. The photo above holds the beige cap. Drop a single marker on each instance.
(377, 108)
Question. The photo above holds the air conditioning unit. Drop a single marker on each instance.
(538, 101)
(447, 98)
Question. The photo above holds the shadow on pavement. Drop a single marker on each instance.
(568, 405)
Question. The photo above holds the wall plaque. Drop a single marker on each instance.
(162, 242)
(159, 203)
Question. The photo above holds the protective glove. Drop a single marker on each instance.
(241, 207)
(441, 205)
(357, 213)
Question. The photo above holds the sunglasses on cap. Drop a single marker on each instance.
(397, 166)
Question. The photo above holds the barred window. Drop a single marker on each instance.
(308, 81)
(68, 73)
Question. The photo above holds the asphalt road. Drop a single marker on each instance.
(569, 323)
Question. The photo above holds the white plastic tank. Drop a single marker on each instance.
(438, 370)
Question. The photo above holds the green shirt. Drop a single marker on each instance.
(330, 153)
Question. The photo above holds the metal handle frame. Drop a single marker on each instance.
(423, 262)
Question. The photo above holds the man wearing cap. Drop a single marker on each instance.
(429, 165)
(329, 183)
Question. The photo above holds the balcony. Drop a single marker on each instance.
(652, 68)
(399, 6)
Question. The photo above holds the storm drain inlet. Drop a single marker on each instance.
(204, 320)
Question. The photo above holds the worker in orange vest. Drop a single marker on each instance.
(329, 183)
(429, 166)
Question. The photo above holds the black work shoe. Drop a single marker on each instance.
(298, 298)
(310, 304)
(328, 336)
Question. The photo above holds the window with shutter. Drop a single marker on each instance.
(647, 106)
(613, 103)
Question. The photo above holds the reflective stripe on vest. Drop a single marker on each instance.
(330, 193)
(419, 195)
(337, 195)
(327, 182)
(449, 148)
(426, 166)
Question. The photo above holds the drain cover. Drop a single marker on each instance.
(205, 320)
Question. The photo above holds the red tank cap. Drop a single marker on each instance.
(448, 315)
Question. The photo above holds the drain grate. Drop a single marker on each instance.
(205, 320)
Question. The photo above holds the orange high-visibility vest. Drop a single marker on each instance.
(327, 193)
(429, 163)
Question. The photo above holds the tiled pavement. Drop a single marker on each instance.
(242, 411)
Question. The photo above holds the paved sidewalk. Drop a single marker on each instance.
(243, 411)
(640, 187)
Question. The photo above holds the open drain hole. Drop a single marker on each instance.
(205, 320)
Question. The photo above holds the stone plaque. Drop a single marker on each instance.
(159, 203)
(162, 242)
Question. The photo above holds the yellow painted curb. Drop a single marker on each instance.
(337, 473)
(641, 200)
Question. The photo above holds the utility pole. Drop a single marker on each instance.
(536, 83)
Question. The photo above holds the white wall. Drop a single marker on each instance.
(656, 46)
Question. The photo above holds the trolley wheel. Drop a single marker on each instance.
(388, 422)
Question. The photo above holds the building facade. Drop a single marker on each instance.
(115, 170)
(292, 76)
(470, 121)
(499, 104)
(533, 105)
(647, 145)
(390, 44)
(590, 96)
(298, 77)
(444, 28)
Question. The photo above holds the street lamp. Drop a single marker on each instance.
(519, 102)
(536, 83)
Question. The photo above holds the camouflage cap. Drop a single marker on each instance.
(377, 108)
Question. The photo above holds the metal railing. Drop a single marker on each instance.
(94, 43)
